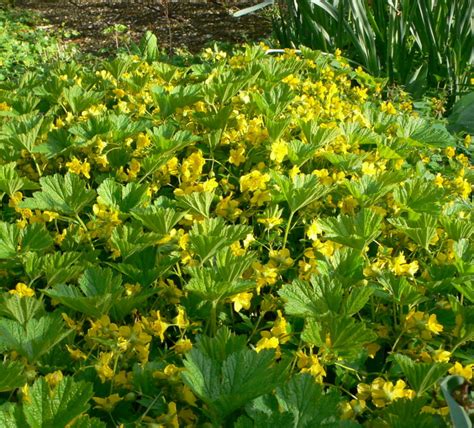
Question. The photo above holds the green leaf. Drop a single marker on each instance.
(323, 294)
(222, 278)
(355, 232)
(130, 239)
(11, 416)
(149, 47)
(157, 219)
(339, 334)
(58, 406)
(66, 194)
(462, 116)
(400, 290)
(21, 134)
(21, 309)
(419, 195)
(79, 99)
(62, 267)
(85, 421)
(457, 228)
(10, 181)
(12, 376)
(458, 414)
(123, 198)
(420, 132)
(228, 383)
(317, 136)
(35, 237)
(209, 236)
(368, 189)
(300, 191)
(274, 101)
(197, 203)
(402, 410)
(14, 240)
(309, 405)
(147, 266)
(9, 237)
(35, 339)
(464, 256)
(421, 376)
(422, 230)
(97, 292)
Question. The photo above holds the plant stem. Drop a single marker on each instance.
(288, 227)
(213, 319)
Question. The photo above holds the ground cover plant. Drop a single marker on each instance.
(249, 241)
(25, 45)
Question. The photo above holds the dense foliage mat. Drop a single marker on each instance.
(249, 241)
(26, 44)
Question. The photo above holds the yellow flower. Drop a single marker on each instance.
(399, 266)
(419, 321)
(439, 180)
(433, 325)
(314, 230)
(4, 106)
(241, 301)
(270, 222)
(260, 197)
(253, 181)
(279, 150)
(281, 258)
(182, 346)
(75, 166)
(310, 364)
(170, 420)
(384, 392)
(188, 396)
(54, 378)
(192, 167)
(388, 107)
(25, 393)
(372, 349)
(467, 138)
(15, 199)
(157, 325)
(237, 156)
(181, 320)
(280, 328)
(22, 290)
(267, 342)
(119, 93)
(465, 372)
(450, 151)
(107, 404)
(369, 168)
(103, 368)
(353, 408)
(76, 354)
(441, 356)
(228, 208)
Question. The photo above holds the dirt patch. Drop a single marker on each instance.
(181, 24)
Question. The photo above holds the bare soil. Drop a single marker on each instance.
(177, 24)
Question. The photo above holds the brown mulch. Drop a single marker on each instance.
(178, 24)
